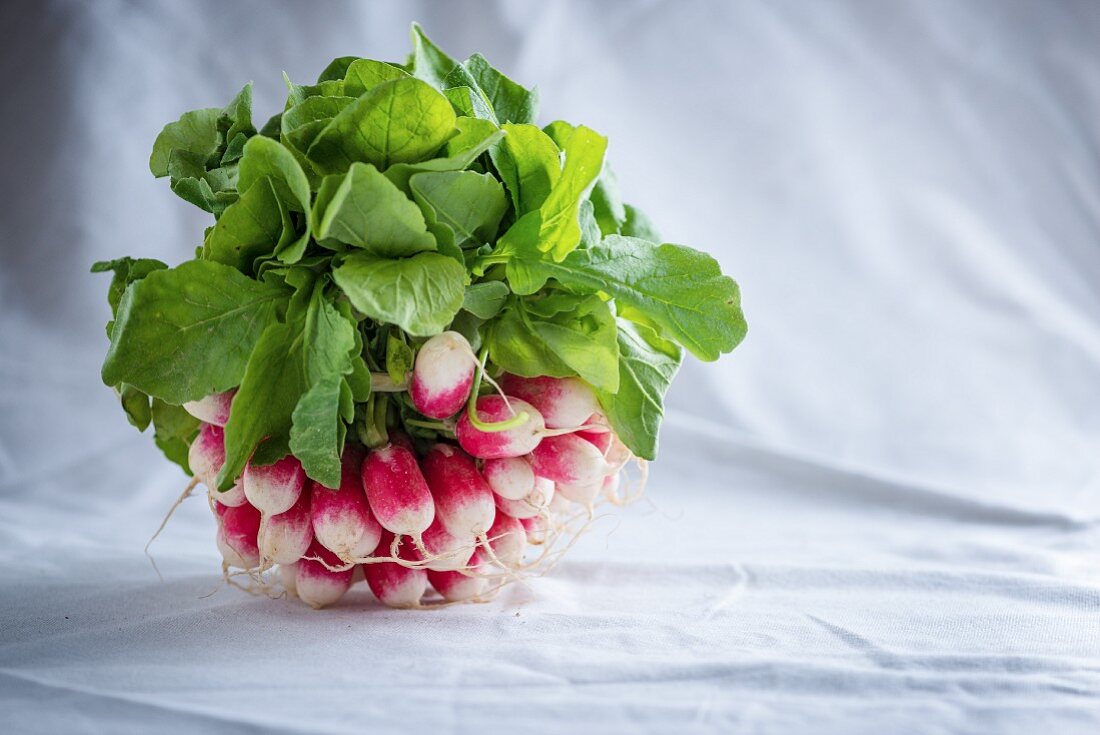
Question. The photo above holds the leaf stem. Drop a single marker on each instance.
(518, 419)
(383, 383)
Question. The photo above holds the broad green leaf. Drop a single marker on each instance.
(173, 431)
(195, 132)
(485, 300)
(647, 365)
(253, 227)
(420, 294)
(679, 289)
(511, 102)
(364, 75)
(315, 437)
(236, 117)
(474, 138)
(590, 230)
(608, 205)
(471, 204)
(184, 333)
(427, 61)
(264, 157)
(401, 121)
(136, 405)
(366, 210)
(469, 102)
(302, 123)
(529, 163)
(337, 68)
(399, 358)
(560, 335)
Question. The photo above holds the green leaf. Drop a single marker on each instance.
(399, 358)
(256, 225)
(337, 68)
(364, 75)
(637, 224)
(608, 205)
(264, 157)
(420, 294)
(647, 365)
(126, 271)
(195, 132)
(511, 102)
(485, 300)
(315, 437)
(301, 123)
(236, 117)
(679, 289)
(400, 121)
(184, 333)
(367, 211)
(471, 204)
(428, 62)
(136, 405)
(173, 431)
(474, 138)
(559, 336)
(470, 102)
(529, 163)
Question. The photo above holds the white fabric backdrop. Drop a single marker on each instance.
(880, 514)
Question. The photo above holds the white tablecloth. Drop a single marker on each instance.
(879, 515)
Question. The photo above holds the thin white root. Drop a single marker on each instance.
(168, 516)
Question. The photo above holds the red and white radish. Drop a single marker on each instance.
(510, 477)
(213, 409)
(463, 499)
(563, 402)
(442, 375)
(456, 586)
(238, 529)
(511, 442)
(451, 552)
(569, 460)
(536, 529)
(274, 488)
(536, 501)
(315, 583)
(601, 439)
(342, 519)
(507, 539)
(285, 536)
(396, 491)
(584, 493)
(611, 487)
(393, 584)
(205, 457)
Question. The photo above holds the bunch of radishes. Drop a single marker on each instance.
(458, 516)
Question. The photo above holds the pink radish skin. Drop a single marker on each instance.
(401, 439)
(463, 499)
(457, 587)
(601, 439)
(499, 444)
(214, 409)
(342, 519)
(535, 528)
(238, 529)
(285, 536)
(456, 551)
(206, 457)
(317, 585)
(274, 488)
(537, 500)
(393, 584)
(396, 491)
(563, 402)
(442, 376)
(510, 477)
(507, 539)
(568, 460)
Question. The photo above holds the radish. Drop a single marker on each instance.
(401, 439)
(583, 494)
(456, 586)
(535, 502)
(274, 488)
(463, 500)
(342, 520)
(396, 491)
(454, 552)
(285, 536)
(568, 460)
(238, 528)
(507, 539)
(563, 402)
(315, 583)
(205, 457)
(601, 439)
(395, 585)
(214, 409)
(510, 477)
(512, 442)
(535, 528)
(611, 487)
(442, 375)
